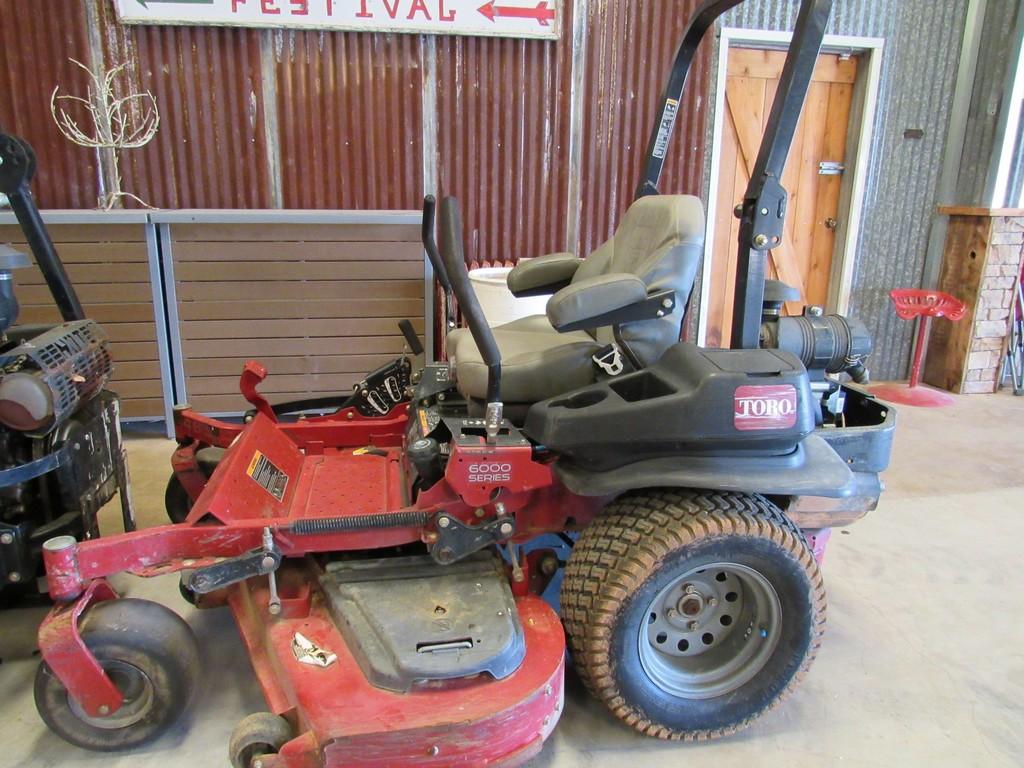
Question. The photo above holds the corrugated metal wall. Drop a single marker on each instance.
(630, 49)
(349, 120)
(68, 174)
(976, 180)
(210, 151)
(922, 51)
(503, 140)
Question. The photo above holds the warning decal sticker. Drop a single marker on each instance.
(263, 471)
(668, 122)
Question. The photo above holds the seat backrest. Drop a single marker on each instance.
(660, 240)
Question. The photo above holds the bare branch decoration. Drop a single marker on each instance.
(118, 122)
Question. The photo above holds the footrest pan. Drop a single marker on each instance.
(409, 620)
(345, 720)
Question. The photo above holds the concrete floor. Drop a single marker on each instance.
(922, 663)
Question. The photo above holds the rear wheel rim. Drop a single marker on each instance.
(710, 631)
(137, 690)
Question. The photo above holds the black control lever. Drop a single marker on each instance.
(415, 346)
(455, 260)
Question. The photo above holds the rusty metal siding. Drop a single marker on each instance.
(34, 53)
(503, 141)
(630, 50)
(210, 151)
(350, 120)
(919, 69)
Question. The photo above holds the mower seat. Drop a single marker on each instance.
(657, 247)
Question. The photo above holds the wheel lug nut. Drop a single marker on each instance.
(671, 613)
(713, 602)
(693, 626)
(689, 589)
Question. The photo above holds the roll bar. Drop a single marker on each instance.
(455, 262)
(430, 244)
(763, 211)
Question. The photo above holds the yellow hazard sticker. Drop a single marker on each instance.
(267, 475)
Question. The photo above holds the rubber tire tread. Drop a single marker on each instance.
(620, 549)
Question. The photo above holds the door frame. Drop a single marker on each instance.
(859, 145)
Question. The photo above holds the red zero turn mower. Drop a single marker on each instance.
(375, 557)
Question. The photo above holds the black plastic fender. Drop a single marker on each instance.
(813, 469)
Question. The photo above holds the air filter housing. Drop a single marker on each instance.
(43, 380)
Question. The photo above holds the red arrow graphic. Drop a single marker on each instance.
(541, 13)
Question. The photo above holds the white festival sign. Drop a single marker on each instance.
(487, 18)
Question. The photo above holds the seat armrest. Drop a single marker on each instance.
(543, 276)
(605, 300)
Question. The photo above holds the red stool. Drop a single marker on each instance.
(914, 304)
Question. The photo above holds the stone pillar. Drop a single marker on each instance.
(981, 267)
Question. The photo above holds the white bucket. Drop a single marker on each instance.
(499, 305)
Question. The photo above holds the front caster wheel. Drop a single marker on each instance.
(151, 655)
(691, 614)
(176, 500)
(257, 735)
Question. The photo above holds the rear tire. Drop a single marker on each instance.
(152, 656)
(690, 614)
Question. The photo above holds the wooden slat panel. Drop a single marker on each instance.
(337, 290)
(90, 234)
(82, 274)
(90, 295)
(293, 365)
(135, 390)
(137, 370)
(106, 315)
(143, 408)
(91, 253)
(134, 351)
(284, 310)
(295, 233)
(204, 271)
(271, 329)
(241, 350)
(109, 268)
(277, 251)
(319, 305)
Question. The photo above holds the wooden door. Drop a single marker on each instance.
(804, 259)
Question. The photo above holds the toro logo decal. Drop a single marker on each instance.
(490, 472)
(765, 407)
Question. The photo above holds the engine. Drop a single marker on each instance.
(825, 344)
(60, 446)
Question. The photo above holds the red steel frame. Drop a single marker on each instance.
(330, 475)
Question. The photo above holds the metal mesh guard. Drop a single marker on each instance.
(74, 360)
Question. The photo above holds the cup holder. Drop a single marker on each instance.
(582, 400)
